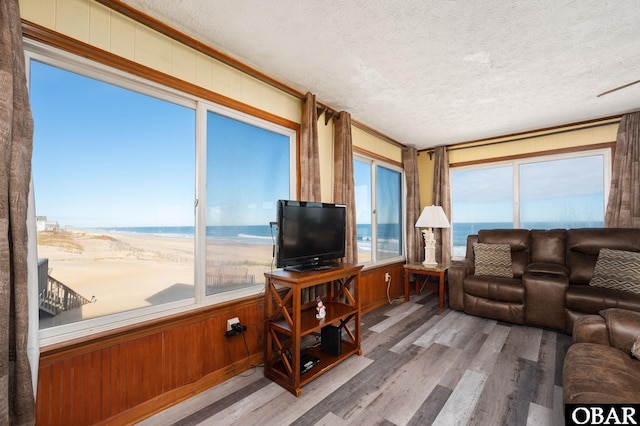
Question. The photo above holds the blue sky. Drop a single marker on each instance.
(106, 156)
(254, 163)
(551, 191)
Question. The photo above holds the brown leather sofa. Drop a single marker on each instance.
(551, 274)
(598, 367)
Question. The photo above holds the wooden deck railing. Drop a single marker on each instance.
(55, 297)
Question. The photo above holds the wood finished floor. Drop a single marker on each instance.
(421, 365)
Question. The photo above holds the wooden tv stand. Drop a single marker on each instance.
(289, 321)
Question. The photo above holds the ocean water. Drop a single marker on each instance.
(255, 234)
(387, 233)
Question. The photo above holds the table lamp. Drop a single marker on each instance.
(431, 217)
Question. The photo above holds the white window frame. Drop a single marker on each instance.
(374, 163)
(516, 163)
(73, 63)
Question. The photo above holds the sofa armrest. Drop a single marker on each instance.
(547, 269)
(590, 329)
(623, 327)
(458, 270)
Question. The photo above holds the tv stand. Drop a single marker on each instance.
(289, 321)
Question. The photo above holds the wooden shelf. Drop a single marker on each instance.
(309, 323)
(288, 321)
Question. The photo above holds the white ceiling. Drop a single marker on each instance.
(433, 72)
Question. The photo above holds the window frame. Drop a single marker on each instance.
(529, 159)
(374, 163)
(88, 68)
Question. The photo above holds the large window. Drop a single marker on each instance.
(114, 182)
(247, 172)
(148, 200)
(564, 191)
(378, 190)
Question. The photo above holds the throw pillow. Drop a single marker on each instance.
(493, 260)
(635, 349)
(617, 269)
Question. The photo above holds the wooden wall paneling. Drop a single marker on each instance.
(121, 385)
(211, 336)
(119, 377)
(374, 287)
(94, 396)
(45, 386)
(107, 396)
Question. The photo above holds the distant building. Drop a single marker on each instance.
(42, 224)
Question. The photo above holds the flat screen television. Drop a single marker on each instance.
(309, 235)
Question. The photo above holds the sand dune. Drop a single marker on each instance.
(129, 271)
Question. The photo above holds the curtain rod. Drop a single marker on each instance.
(430, 151)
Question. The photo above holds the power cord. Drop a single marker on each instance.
(241, 329)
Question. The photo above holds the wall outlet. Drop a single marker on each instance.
(231, 322)
(387, 277)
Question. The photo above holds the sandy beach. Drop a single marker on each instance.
(128, 271)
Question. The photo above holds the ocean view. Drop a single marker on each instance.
(265, 234)
(461, 230)
(255, 234)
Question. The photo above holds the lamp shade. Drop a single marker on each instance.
(432, 217)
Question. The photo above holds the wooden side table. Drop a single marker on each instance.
(419, 269)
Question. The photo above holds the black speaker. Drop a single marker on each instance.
(331, 340)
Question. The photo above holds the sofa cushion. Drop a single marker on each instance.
(493, 260)
(591, 300)
(583, 247)
(594, 373)
(618, 270)
(500, 289)
(548, 246)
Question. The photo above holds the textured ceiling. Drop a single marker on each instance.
(432, 72)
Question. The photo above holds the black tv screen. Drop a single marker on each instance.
(309, 234)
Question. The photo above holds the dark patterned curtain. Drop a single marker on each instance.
(442, 197)
(16, 138)
(413, 235)
(623, 208)
(309, 162)
(343, 191)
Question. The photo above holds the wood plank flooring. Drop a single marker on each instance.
(421, 365)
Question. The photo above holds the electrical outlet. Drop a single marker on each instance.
(387, 277)
(231, 322)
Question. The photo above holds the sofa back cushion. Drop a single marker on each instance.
(583, 247)
(518, 240)
(549, 246)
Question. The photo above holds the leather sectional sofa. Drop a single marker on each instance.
(551, 271)
(548, 285)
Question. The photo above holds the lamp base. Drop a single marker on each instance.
(429, 248)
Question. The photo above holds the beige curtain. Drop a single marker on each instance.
(442, 197)
(413, 236)
(309, 162)
(16, 138)
(343, 191)
(623, 208)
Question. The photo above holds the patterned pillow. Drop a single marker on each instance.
(617, 269)
(493, 260)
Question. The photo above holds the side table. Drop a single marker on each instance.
(419, 269)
